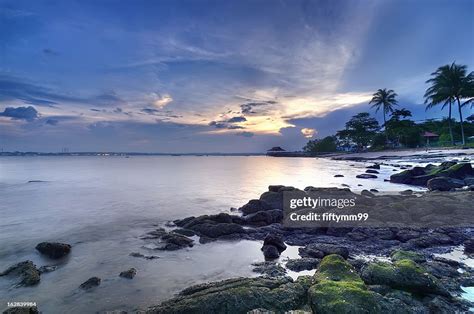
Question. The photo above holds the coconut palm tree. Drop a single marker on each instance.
(450, 83)
(384, 99)
(448, 102)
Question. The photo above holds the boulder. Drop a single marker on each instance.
(338, 176)
(27, 272)
(263, 218)
(300, 264)
(403, 274)
(273, 199)
(254, 206)
(54, 250)
(129, 273)
(217, 230)
(270, 252)
(399, 255)
(238, 295)
(444, 184)
(339, 289)
(319, 250)
(174, 241)
(90, 283)
(270, 269)
(376, 166)
(276, 241)
(371, 171)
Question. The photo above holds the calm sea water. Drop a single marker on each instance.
(102, 205)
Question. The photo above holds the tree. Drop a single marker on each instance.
(450, 83)
(403, 130)
(327, 144)
(360, 130)
(384, 99)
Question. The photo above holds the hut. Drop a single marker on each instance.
(429, 136)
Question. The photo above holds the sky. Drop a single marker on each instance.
(214, 76)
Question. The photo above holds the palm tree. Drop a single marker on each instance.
(449, 102)
(450, 83)
(384, 99)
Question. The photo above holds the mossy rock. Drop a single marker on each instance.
(399, 255)
(403, 274)
(239, 295)
(339, 289)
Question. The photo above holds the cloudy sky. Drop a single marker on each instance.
(213, 76)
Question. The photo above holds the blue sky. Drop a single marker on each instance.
(213, 76)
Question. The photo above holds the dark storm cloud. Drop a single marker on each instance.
(224, 125)
(20, 113)
(250, 107)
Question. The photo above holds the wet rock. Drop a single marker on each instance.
(47, 269)
(421, 176)
(217, 230)
(54, 250)
(319, 250)
(270, 269)
(90, 283)
(238, 295)
(469, 181)
(338, 176)
(270, 252)
(376, 166)
(371, 171)
(275, 188)
(374, 190)
(275, 240)
(263, 218)
(406, 192)
(140, 255)
(444, 184)
(469, 246)
(404, 274)
(405, 235)
(254, 206)
(129, 273)
(300, 264)
(366, 176)
(26, 271)
(273, 199)
(185, 232)
(366, 193)
(174, 241)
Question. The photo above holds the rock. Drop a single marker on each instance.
(185, 232)
(217, 230)
(367, 193)
(406, 192)
(366, 176)
(319, 250)
(54, 250)
(469, 181)
(140, 255)
(27, 271)
(276, 241)
(403, 274)
(275, 188)
(339, 289)
(273, 199)
(371, 171)
(238, 295)
(374, 190)
(421, 176)
(90, 283)
(263, 218)
(300, 264)
(129, 273)
(444, 184)
(376, 166)
(399, 255)
(174, 241)
(254, 206)
(469, 246)
(338, 176)
(270, 252)
(405, 235)
(270, 269)
(47, 269)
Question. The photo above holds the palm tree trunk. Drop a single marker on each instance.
(449, 124)
(460, 118)
(385, 126)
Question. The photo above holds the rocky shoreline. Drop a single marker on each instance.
(406, 277)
